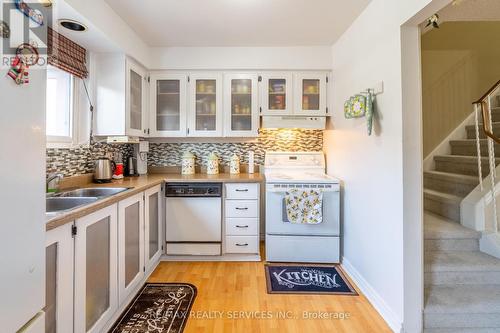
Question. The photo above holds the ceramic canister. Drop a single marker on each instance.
(234, 164)
(212, 164)
(188, 163)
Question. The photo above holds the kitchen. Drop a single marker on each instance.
(192, 174)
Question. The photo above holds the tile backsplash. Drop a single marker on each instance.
(170, 154)
(80, 160)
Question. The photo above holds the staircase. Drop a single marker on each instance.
(462, 284)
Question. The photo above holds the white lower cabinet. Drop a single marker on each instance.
(153, 218)
(242, 213)
(95, 264)
(59, 266)
(96, 290)
(130, 245)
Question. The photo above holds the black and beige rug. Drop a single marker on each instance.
(158, 307)
(307, 279)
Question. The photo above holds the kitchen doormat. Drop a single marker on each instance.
(158, 307)
(307, 279)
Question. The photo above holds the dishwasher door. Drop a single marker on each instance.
(194, 225)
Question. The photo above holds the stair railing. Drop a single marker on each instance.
(483, 106)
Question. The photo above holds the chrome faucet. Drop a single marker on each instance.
(50, 178)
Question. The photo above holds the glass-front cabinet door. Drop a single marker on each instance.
(96, 292)
(310, 93)
(152, 230)
(241, 105)
(276, 94)
(135, 100)
(205, 105)
(59, 267)
(130, 245)
(168, 105)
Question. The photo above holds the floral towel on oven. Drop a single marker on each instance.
(304, 206)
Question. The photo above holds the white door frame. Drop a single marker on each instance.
(413, 211)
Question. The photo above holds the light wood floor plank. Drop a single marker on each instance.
(229, 287)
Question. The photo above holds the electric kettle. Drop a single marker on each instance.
(103, 170)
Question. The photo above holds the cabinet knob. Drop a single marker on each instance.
(242, 208)
(243, 190)
(241, 226)
(238, 244)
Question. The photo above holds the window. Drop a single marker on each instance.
(60, 117)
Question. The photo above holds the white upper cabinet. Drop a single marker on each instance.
(241, 110)
(276, 94)
(310, 93)
(168, 105)
(135, 105)
(121, 96)
(205, 105)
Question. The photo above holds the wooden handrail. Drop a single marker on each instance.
(492, 89)
(485, 114)
(487, 122)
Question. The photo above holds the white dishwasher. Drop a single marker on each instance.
(193, 218)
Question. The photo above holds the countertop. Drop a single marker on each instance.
(140, 184)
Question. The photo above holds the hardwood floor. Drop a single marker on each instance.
(232, 297)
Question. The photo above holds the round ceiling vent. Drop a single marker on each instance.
(72, 25)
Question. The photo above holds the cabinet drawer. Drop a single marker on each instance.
(242, 208)
(242, 226)
(242, 244)
(242, 191)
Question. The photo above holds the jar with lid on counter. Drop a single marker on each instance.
(188, 163)
(212, 164)
(234, 164)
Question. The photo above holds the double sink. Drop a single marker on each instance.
(65, 201)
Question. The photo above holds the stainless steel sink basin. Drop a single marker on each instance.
(98, 192)
(60, 204)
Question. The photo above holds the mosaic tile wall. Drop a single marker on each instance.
(80, 160)
(170, 154)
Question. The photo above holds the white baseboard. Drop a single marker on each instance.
(394, 322)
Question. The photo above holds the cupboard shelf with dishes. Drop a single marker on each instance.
(210, 103)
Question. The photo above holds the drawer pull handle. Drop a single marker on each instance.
(238, 190)
(238, 244)
(241, 226)
(242, 208)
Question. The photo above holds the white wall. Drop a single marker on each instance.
(314, 57)
(376, 191)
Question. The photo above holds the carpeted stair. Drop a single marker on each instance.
(462, 284)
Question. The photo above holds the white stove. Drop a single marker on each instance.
(288, 242)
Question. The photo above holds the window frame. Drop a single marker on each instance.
(55, 141)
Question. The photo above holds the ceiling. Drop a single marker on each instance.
(238, 22)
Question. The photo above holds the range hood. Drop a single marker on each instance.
(303, 122)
